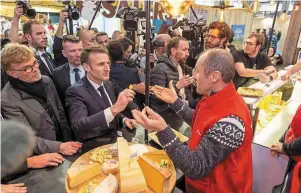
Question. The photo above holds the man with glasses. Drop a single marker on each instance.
(250, 63)
(32, 100)
(218, 35)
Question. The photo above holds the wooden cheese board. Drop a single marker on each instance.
(86, 160)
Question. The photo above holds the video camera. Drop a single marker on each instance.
(130, 16)
(72, 10)
(27, 10)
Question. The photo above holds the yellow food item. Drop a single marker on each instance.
(158, 156)
(252, 92)
(100, 155)
(82, 173)
(110, 167)
(155, 175)
(131, 175)
(108, 185)
(131, 87)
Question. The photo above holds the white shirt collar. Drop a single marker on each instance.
(80, 67)
(95, 85)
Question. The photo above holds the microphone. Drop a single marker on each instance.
(178, 24)
(17, 143)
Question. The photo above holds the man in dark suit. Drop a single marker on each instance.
(94, 103)
(32, 100)
(71, 72)
(124, 76)
(35, 34)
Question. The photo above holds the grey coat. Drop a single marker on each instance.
(23, 107)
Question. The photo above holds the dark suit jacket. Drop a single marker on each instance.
(59, 59)
(23, 107)
(43, 67)
(61, 80)
(124, 76)
(86, 112)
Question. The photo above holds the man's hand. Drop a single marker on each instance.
(139, 88)
(70, 148)
(44, 160)
(124, 98)
(167, 95)
(268, 70)
(149, 119)
(184, 82)
(264, 78)
(18, 12)
(286, 76)
(13, 188)
(130, 123)
(63, 16)
(276, 149)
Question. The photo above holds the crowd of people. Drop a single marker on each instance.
(84, 95)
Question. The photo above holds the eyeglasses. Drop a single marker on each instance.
(249, 43)
(29, 69)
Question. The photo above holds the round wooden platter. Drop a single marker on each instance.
(84, 159)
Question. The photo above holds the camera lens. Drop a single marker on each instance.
(74, 15)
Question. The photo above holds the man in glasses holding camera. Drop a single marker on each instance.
(251, 62)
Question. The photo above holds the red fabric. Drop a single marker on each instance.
(294, 131)
(295, 186)
(234, 174)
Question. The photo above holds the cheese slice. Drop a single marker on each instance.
(82, 173)
(131, 175)
(158, 156)
(108, 185)
(155, 176)
(110, 167)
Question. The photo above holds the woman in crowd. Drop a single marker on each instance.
(276, 59)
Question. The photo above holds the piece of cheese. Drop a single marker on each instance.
(82, 173)
(110, 167)
(155, 176)
(158, 156)
(108, 185)
(131, 175)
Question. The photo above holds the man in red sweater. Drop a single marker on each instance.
(218, 158)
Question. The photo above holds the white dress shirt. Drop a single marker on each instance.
(72, 73)
(108, 113)
(43, 59)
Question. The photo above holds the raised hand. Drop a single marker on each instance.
(167, 95)
(149, 119)
(124, 98)
(184, 82)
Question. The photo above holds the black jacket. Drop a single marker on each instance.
(161, 74)
(293, 148)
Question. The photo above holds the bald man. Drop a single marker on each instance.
(86, 37)
(117, 35)
(160, 47)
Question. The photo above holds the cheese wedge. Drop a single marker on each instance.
(108, 185)
(155, 175)
(82, 173)
(131, 175)
(110, 167)
(158, 156)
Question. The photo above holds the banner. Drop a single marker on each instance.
(238, 36)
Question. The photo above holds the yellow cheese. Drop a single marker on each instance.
(155, 175)
(82, 173)
(131, 175)
(110, 167)
(158, 156)
(108, 185)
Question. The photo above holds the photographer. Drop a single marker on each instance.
(160, 47)
(13, 34)
(58, 40)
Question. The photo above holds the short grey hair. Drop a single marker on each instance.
(221, 60)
